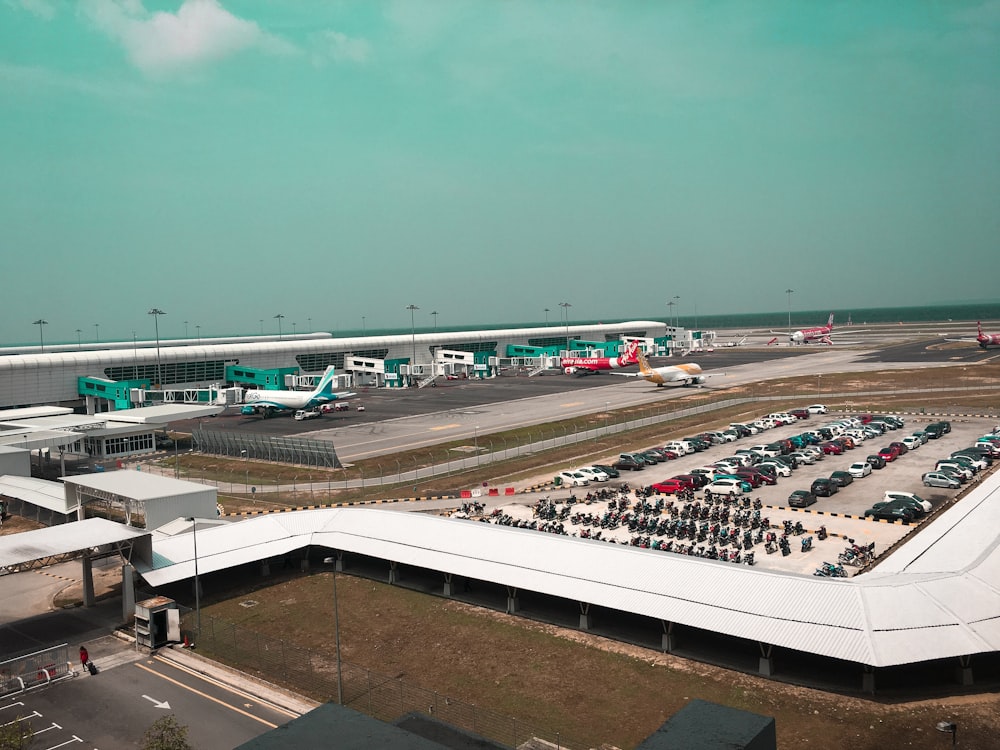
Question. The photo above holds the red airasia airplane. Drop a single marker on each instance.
(985, 340)
(806, 335)
(590, 365)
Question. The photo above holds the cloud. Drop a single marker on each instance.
(201, 32)
(341, 48)
(44, 9)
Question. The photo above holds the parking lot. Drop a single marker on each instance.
(841, 514)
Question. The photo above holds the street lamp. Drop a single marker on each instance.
(197, 595)
(677, 296)
(198, 329)
(476, 438)
(185, 329)
(364, 330)
(413, 337)
(310, 322)
(435, 314)
(336, 630)
(41, 336)
(670, 314)
(278, 317)
(97, 332)
(293, 327)
(546, 316)
(949, 727)
(566, 306)
(261, 326)
(79, 341)
(156, 313)
(246, 465)
(789, 292)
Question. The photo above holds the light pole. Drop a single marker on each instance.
(546, 316)
(246, 465)
(566, 306)
(197, 595)
(336, 630)
(79, 341)
(156, 313)
(789, 292)
(476, 438)
(677, 297)
(278, 317)
(185, 329)
(310, 322)
(435, 314)
(670, 315)
(364, 330)
(41, 336)
(97, 332)
(198, 329)
(293, 327)
(413, 337)
(261, 326)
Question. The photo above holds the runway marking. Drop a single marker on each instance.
(444, 427)
(572, 403)
(180, 684)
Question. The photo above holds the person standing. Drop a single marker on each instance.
(84, 657)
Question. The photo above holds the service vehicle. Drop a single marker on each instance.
(302, 414)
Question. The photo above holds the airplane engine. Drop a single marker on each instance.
(569, 370)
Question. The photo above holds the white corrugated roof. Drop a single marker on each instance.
(915, 607)
(16, 549)
(162, 413)
(137, 485)
(32, 439)
(40, 492)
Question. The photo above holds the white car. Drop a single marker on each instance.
(573, 479)
(859, 469)
(911, 442)
(893, 495)
(304, 414)
(725, 487)
(953, 466)
(594, 475)
(803, 456)
(817, 409)
(781, 469)
(765, 451)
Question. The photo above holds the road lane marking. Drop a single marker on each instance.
(444, 427)
(235, 691)
(180, 684)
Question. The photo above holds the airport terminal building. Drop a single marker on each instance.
(109, 377)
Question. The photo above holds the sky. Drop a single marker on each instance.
(336, 162)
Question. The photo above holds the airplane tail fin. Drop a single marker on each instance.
(629, 355)
(979, 329)
(644, 367)
(829, 323)
(325, 385)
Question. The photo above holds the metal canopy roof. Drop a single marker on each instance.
(40, 492)
(31, 439)
(914, 608)
(137, 485)
(164, 413)
(17, 549)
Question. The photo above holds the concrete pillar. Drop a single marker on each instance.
(449, 586)
(513, 605)
(586, 622)
(963, 674)
(668, 641)
(128, 592)
(304, 565)
(766, 666)
(868, 680)
(265, 568)
(394, 573)
(88, 581)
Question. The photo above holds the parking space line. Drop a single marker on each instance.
(206, 696)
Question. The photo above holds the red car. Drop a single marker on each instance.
(759, 477)
(889, 453)
(670, 486)
(833, 449)
(800, 413)
(697, 481)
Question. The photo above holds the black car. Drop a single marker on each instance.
(611, 471)
(876, 461)
(801, 499)
(841, 478)
(630, 462)
(936, 429)
(651, 458)
(698, 480)
(824, 487)
(893, 511)
(699, 444)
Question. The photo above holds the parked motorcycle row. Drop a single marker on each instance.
(720, 527)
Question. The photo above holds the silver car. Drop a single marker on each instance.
(940, 479)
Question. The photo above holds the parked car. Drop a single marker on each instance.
(876, 461)
(593, 474)
(901, 447)
(629, 462)
(890, 512)
(977, 464)
(940, 479)
(842, 478)
(831, 448)
(936, 429)
(959, 475)
(572, 479)
(824, 487)
(757, 477)
(611, 471)
(860, 469)
(964, 473)
(912, 442)
(726, 487)
(816, 409)
(697, 481)
(889, 453)
(801, 499)
(922, 505)
(670, 486)
(800, 413)
(803, 457)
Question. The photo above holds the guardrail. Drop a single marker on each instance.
(23, 673)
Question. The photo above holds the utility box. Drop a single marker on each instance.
(157, 622)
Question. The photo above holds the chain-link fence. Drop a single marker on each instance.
(380, 696)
